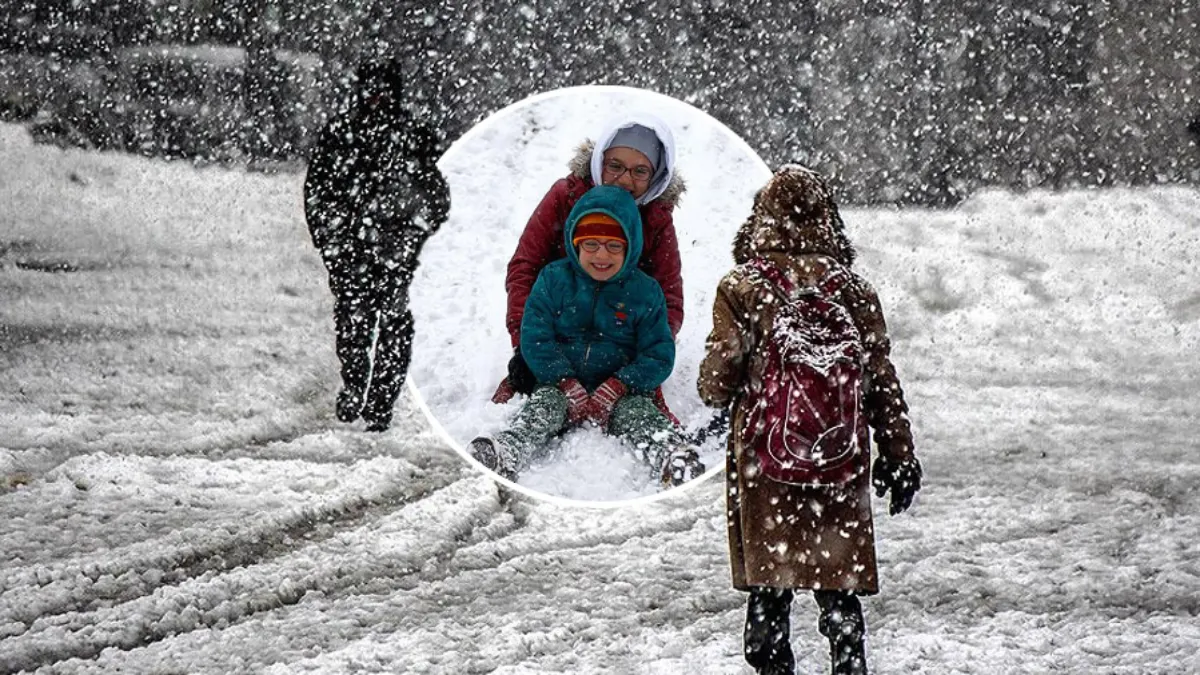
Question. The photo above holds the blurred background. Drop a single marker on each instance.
(901, 101)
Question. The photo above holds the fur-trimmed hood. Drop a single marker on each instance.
(794, 213)
(581, 167)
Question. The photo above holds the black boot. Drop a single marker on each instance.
(842, 622)
(679, 465)
(490, 453)
(767, 640)
(349, 403)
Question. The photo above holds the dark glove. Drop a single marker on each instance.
(604, 399)
(578, 403)
(903, 478)
(519, 375)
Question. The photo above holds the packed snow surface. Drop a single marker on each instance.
(175, 495)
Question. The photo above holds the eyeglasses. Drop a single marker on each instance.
(616, 169)
(593, 245)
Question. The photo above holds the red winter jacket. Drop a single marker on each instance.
(542, 243)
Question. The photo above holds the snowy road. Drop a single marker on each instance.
(175, 496)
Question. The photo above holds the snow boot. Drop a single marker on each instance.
(377, 412)
(679, 465)
(349, 404)
(842, 622)
(767, 638)
(377, 421)
(717, 427)
(493, 455)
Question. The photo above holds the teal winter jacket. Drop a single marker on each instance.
(575, 326)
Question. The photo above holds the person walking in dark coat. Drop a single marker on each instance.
(372, 196)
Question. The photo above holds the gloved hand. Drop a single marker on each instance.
(903, 478)
(604, 399)
(578, 403)
(504, 392)
(679, 466)
(520, 376)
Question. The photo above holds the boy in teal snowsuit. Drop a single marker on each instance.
(595, 335)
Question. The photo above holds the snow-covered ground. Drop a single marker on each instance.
(175, 495)
(498, 173)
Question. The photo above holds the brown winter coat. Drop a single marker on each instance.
(780, 535)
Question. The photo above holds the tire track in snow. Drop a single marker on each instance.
(520, 601)
(214, 438)
(665, 563)
(39, 590)
(529, 540)
(398, 545)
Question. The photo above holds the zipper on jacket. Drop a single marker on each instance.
(592, 328)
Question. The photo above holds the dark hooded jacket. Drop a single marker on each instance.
(575, 326)
(373, 191)
(780, 535)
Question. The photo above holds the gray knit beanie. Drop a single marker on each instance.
(640, 138)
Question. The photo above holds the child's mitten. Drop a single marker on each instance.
(604, 399)
(578, 403)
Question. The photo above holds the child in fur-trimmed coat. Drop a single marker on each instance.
(784, 536)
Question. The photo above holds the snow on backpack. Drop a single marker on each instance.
(805, 422)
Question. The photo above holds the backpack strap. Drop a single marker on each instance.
(829, 284)
(774, 276)
(833, 280)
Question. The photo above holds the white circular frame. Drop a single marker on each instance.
(748, 174)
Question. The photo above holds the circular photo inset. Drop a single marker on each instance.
(515, 180)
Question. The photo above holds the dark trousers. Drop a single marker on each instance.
(768, 645)
(374, 330)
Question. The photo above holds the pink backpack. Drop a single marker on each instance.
(805, 423)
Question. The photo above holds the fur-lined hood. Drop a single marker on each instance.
(794, 214)
(581, 167)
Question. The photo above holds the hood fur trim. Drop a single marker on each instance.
(795, 214)
(581, 167)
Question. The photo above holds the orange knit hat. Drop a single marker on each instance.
(599, 226)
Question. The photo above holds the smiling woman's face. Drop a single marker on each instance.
(632, 161)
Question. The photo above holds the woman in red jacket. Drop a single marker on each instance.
(638, 154)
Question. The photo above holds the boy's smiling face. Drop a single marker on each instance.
(604, 261)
